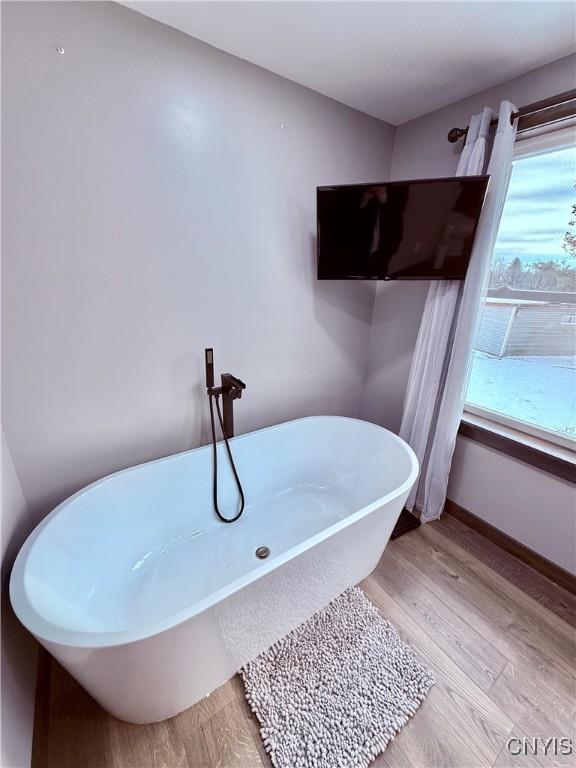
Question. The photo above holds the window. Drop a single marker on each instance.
(524, 363)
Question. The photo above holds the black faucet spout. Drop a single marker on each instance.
(231, 389)
(232, 386)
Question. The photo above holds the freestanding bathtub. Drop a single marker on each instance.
(151, 603)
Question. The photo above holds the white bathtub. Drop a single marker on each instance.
(151, 603)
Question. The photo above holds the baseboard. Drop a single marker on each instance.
(552, 571)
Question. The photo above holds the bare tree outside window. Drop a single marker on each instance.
(569, 243)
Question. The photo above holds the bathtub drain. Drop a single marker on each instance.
(262, 553)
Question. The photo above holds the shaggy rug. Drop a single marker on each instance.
(333, 692)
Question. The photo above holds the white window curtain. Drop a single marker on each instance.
(438, 378)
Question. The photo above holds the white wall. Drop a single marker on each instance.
(421, 150)
(18, 650)
(534, 507)
(160, 198)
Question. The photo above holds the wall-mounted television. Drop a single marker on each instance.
(399, 230)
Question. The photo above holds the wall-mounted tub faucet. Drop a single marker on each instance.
(230, 390)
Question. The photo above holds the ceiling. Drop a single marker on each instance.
(394, 60)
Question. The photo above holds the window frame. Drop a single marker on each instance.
(529, 144)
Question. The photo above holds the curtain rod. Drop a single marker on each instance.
(530, 109)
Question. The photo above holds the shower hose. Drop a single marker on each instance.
(215, 464)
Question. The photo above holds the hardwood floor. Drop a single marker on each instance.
(498, 636)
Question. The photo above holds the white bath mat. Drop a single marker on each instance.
(333, 692)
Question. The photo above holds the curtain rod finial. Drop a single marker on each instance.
(456, 133)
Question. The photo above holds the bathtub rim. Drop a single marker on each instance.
(46, 631)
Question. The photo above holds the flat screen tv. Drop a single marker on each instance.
(400, 230)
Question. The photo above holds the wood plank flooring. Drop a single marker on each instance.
(498, 636)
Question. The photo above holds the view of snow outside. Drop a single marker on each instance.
(535, 250)
(539, 390)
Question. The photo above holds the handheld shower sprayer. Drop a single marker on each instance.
(230, 390)
(209, 358)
